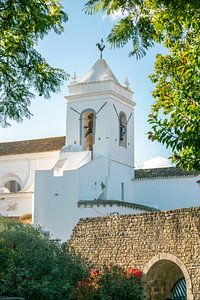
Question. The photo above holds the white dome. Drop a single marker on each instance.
(99, 72)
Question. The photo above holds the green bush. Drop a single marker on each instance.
(34, 267)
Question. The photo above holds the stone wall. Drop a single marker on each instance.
(143, 240)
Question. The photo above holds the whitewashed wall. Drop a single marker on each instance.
(167, 193)
(16, 204)
(22, 167)
(56, 200)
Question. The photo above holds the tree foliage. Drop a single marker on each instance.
(34, 267)
(23, 71)
(175, 114)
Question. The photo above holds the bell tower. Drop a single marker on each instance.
(100, 119)
(100, 115)
(94, 173)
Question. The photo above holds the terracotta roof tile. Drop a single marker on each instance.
(163, 172)
(32, 146)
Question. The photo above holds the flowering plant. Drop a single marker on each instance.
(110, 283)
(135, 271)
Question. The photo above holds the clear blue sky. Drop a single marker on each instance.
(75, 50)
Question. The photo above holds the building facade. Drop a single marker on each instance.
(91, 172)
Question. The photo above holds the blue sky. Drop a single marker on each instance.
(75, 50)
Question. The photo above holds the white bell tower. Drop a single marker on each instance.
(100, 115)
(100, 119)
(94, 173)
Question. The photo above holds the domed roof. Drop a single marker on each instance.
(99, 72)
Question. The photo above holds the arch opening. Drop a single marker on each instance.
(13, 186)
(165, 280)
(122, 130)
(87, 130)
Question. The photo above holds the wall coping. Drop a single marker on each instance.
(147, 214)
(91, 203)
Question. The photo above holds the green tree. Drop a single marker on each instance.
(23, 71)
(175, 114)
(34, 267)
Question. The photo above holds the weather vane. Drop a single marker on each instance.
(101, 47)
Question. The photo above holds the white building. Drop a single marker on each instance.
(18, 163)
(93, 174)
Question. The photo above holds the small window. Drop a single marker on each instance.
(122, 129)
(13, 186)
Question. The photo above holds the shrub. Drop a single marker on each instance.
(111, 283)
(34, 267)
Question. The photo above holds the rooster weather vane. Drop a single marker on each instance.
(100, 47)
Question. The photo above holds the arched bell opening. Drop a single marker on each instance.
(122, 130)
(87, 129)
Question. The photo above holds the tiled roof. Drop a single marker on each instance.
(163, 172)
(32, 146)
(91, 203)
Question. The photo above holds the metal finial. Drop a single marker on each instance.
(100, 47)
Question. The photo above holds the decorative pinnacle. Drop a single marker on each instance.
(100, 47)
(74, 78)
(126, 83)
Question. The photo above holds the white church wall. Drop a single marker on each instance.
(14, 168)
(167, 193)
(70, 160)
(16, 204)
(56, 204)
(22, 167)
(120, 185)
(93, 178)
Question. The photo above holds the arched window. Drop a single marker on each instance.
(122, 129)
(87, 129)
(13, 186)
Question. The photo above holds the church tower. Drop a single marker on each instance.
(100, 114)
(100, 119)
(94, 174)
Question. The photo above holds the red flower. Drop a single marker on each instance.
(135, 271)
(94, 272)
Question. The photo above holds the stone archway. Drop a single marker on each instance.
(160, 275)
